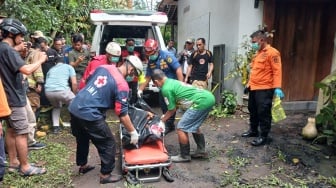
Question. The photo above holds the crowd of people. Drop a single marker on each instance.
(34, 75)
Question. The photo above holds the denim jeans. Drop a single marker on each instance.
(2, 157)
(192, 119)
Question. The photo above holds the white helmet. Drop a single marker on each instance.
(136, 62)
(113, 48)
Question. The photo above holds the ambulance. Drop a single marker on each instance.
(118, 25)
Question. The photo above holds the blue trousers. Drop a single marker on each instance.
(2, 158)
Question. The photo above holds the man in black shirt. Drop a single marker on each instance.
(200, 66)
(12, 69)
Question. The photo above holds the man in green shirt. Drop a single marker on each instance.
(79, 57)
(198, 102)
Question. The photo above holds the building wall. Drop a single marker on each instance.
(219, 22)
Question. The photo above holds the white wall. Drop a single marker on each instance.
(219, 22)
(333, 65)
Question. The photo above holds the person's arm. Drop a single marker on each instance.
(167, 115)
(209, 74)
(74, 84)
(188, 72)
(39, 58)
(275, 62)
(179, 74)
(75, 62)
(126, 121)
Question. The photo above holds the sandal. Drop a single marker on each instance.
(131, 179)
(33, 171)
(167, 176)
(13, 169)
(85, 169)
(110, 179)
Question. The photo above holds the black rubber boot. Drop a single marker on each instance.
(200, 151)
(184, 155)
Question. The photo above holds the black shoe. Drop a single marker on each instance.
(112, 178)
(259, 141)
(36, 146)
(250, 134)
(85, 169)
(56, 130)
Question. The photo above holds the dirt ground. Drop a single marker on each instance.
(286, 160)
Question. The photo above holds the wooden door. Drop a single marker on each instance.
(304, 36)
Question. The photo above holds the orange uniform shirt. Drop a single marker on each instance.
(266, 72)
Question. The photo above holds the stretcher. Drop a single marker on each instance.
(149, 160)
(147, 163)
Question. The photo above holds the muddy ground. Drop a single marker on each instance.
(287, 161)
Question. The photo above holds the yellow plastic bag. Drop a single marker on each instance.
(278, 113)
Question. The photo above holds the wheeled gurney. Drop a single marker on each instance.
(149, 161)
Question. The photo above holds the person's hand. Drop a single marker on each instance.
(42, 56)
(81, 58)
(134, 137)
(150, 115)
(38, 88)
(246, 90)
(162, 125)
(139, 93)
(208, 75)
(278, 92)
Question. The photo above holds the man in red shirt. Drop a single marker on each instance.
(112, 56)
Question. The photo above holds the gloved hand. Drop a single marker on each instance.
(134, 137)
(278, 92)
(140, 93)
(162, 126)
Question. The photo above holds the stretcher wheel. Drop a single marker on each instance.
(131, 179)
(166, 174)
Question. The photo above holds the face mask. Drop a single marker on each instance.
(129, 78)
(153, 57)
(114, 59)
(255, 46)
(130, 48)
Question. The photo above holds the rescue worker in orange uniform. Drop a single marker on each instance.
(264, 82)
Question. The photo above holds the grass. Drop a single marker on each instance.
(278, 177)
(55, 157)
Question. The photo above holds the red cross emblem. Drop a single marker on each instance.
(100, 81)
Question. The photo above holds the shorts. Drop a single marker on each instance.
(18, 120)
(58, 98)
(192, 120)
